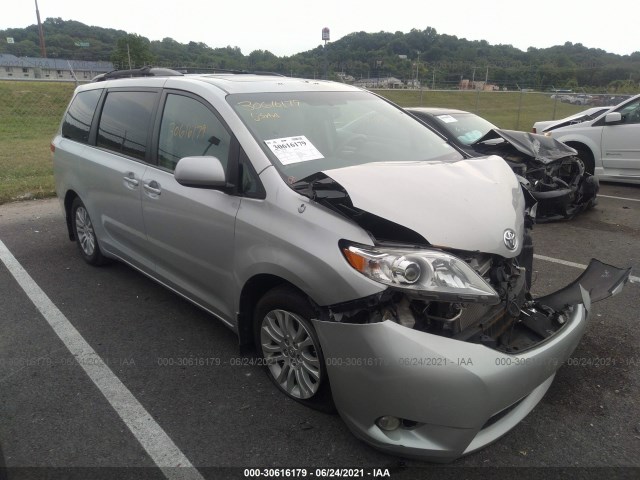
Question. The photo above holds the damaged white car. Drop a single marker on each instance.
(551, 171)
(376, 268)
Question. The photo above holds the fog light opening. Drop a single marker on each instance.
(388, 423)
(409, 424)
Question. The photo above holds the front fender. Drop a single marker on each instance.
(592, 141)
(307, 256)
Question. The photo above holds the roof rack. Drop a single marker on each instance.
(213, 71)
(136, 72)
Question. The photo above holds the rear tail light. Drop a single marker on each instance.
(52, 147)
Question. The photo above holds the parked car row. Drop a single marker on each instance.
(586, 99)
(378, 268)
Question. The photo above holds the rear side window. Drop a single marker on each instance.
(188, 129)
(77, 121)
(124, 123)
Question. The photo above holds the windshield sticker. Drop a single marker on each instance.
(293, 149)
(446, 118)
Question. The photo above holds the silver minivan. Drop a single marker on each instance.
(375, 268)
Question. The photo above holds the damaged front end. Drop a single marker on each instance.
(553, 172)
(480, 297)
(431, 376)
(503, 317)
(455, 351)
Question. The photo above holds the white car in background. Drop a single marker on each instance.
(609, 145)
(588, 114)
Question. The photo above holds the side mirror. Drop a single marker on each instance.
(613, 117)
(200, 172)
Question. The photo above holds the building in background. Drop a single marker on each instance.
(38, 68)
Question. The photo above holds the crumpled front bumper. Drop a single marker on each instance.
(453, 397)
(565, 203)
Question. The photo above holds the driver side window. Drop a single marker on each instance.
(631, 113)
(189, 128)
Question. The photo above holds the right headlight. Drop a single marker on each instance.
(429, 273)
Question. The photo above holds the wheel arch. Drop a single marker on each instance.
(586, 152)
(255, 288)
(69, 197)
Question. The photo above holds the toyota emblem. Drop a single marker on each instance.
(510, 239)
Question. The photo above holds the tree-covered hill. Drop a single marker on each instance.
(435, 59)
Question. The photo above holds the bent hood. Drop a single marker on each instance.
(542, 148)
(467, 205)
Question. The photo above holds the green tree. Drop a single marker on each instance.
(132, 50)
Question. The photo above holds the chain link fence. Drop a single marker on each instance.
(514, 110)
(30, 112)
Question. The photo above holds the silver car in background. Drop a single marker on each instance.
(376, 269)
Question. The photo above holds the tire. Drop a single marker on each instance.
(587, 158)
(288, 344)
(85, 234)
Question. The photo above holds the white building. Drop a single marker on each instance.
(20, 68)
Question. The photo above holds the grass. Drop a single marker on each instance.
(508, 110)
(30, 113)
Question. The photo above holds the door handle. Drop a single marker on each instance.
(153, 187)
(131, 179)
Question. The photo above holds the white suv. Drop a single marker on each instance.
(609, 145)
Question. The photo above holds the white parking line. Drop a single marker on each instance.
(632, 279)
(166, 455)
(619, 198)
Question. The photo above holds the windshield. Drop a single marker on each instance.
(466, 127)
(307, 132)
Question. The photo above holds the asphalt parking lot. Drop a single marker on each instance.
(211, 408)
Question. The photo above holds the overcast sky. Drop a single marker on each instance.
(286, 27)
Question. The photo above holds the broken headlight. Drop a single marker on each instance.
(431, 274)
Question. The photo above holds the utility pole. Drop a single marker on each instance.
(43, 49)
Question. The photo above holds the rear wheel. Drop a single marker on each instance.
(85, 234)
(290, 347)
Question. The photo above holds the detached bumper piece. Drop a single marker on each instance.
(599, 280)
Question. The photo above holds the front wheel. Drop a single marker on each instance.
(586, 156)
(290, 347)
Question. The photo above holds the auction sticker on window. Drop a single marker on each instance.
(293, 149)
(446, 118)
